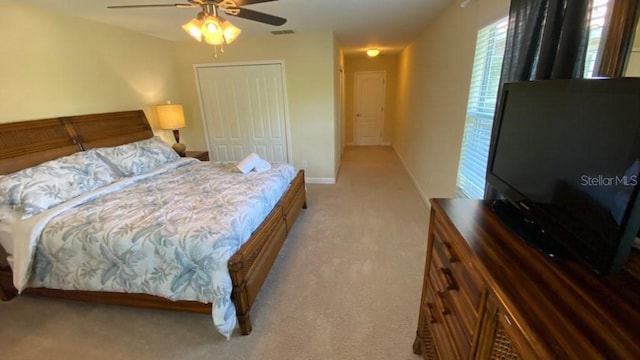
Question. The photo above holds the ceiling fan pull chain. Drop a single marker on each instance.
(215, 50)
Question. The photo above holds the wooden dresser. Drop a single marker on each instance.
(489, 295)
(200, 155)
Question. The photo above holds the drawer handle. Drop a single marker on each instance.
(432, 319)
(452, 284)
(452, 255)
(445, 309)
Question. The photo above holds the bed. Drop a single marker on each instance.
(29, 143)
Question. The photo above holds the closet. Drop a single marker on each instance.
(244, 110)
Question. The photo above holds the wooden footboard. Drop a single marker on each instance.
(248, 267)
(294, 200)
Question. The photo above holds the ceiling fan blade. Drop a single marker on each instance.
(259, 16)
(154, 5)
(250, 2)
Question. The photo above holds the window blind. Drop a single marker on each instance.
(598, 19)
(483, 93)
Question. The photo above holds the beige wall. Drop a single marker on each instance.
(386, 63)
(339, 105)
(433, 86)
(310, 77)
(55, 65)
(633, 67)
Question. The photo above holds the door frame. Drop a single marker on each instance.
(287, 122)
(355, 102)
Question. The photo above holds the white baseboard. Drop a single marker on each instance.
(384, 143)
(424, 196)
(310, 180)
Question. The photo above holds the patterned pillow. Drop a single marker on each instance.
(35, 189)
(138, 157)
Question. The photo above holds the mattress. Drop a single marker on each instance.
(168, 234)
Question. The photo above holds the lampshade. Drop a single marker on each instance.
(212, 30)
(193, 28)
(230, 31)
(171, 116)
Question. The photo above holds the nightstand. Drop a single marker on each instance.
(200, 155)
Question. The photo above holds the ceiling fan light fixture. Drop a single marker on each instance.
(193, 28)
(212, 30)
(230, 31)
(209, 26)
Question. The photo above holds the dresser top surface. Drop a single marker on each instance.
(558, 301)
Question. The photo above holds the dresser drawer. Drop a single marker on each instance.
(453, 256)
(434, 317)
(454, 296)
(447, 306)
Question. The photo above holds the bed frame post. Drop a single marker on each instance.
(241, 302)
(7, 290)
(250, 265)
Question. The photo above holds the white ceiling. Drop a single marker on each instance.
(358, 24)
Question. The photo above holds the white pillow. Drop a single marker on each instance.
(35, 189)
(138, 157)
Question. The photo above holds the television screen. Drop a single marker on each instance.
(566, 153)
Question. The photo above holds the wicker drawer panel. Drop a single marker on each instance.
(502, 347)
(427, 345)
(435, 321)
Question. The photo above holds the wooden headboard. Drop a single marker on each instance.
(28, 143)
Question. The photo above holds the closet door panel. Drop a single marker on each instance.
(244, 111)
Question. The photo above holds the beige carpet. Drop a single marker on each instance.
(345, 286)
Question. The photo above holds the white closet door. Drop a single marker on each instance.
(244, 111)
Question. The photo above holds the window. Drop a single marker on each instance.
(483, 93)
(598, 16)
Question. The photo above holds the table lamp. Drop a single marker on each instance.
(171, 117)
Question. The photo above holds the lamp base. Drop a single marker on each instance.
(180, 148)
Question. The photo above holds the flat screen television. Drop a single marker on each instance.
(565, 162)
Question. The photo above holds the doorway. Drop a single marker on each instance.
(369, 107)
(244, 110)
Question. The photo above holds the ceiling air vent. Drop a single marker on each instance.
(282, 32)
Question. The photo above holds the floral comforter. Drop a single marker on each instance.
(169, 235)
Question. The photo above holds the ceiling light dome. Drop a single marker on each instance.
(373, 52)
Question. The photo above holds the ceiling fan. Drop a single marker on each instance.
(211, 27)
(230, 7)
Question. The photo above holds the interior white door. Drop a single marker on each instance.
(244, 111)
(369, 107)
